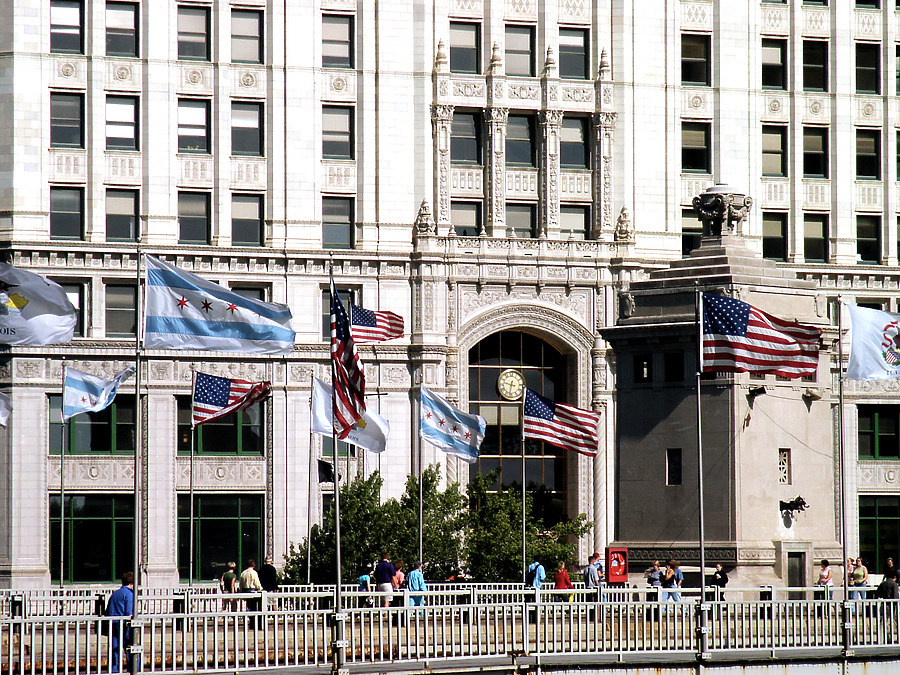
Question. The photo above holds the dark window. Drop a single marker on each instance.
(519, 58)
(246, 36)
(815, 237)
(673, 366)
(247, 220)
(121, 308)
(193, 33)
(868, 68)
(337, 222)
(520, 141)
(643, 367)
(121, 215)
(868, 240)
(99, 537)
(465, 138)
(574, 55)
(347, 296)
(465, 47)
(774, 146)
(574, 221)
(121, 29)
(66, 213)
(897, 68)
(337, 132)
(868, 4)
(337, 41)
(66, 19)
(465, 217)
(121, 123)
(815, 152)
(774, 242)
(815, 65)
(193, 126)
(247, 129)
(673, 466)
(110, 431)
(520, 218)
(879, 529)
(226, 527)
(76, 294)
(574, 143)
(868, 154)
(238, 434)
(691, 231)
(774, 64)
(878, 431)
(193, 218)
(695, 147)
(695, 60)
(66, 120)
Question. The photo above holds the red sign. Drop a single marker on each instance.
(616, 565)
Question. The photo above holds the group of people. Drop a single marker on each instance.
(249, 581)
(888, 589)
(389, 579)
(593, 574)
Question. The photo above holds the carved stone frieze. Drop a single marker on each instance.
(302, 373)
(87, 473)
(527, 92)
(395, 375)
(878, 476)
(578, 94)
(757, 556)
(221, 473)
(575, 303)
(468, 89)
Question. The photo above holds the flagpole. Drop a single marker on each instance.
(191, 486)
(700, 443)
(312, 384)
(62, 478)
(138, 431)
(522, 440)
(844, 542)
(337, 646)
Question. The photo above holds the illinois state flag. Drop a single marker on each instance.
(33, 309)
(185, 311)
(370, 431)
(874, 344)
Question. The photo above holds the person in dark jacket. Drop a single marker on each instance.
(384, 574)
(121, 603)
(888, 589)
(268, 576)
(720, 579)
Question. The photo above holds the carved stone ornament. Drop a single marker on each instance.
(195, 77)
(442, 113)
(604, 65)
(440, 57)
(626, 305)
(67, 69)
(721, 210)
(624, 230)
(123, 73)
(496, 60)
(549, 62)
(248, 80)
(424, 224)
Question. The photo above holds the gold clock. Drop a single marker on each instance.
(511, 384)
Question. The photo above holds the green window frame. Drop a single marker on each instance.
(112, 431)
(239, 433)
(879, 529)
(878, 431)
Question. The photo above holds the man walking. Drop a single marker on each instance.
(121, 603)
(268, 576)
(250, 584)
(416, 582)
(384, 575)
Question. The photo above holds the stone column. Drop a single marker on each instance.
(604, 124)
(441, 121)
(551, 120)
(496, 171)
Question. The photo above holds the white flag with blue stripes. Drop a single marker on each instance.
(450, 429)
(89, 393)
(185, 311)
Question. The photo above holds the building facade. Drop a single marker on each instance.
(496, 172)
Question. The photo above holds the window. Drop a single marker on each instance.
(121, 29)
(99, 537)
(75, 293)
(465, 217)
(574, 55)
(247, 220)
(193, 218)
(574, 221)
(695, 60)
(252, 292)
(868, 68)
(121, 306)
(247, 129)
(465, 138)
(673, 466)
(673, 366)
(868, 4)
(815, 65)
(193, 126)
(897, 70)
(691, 231)
(66, 120)
(774, 242)
(193, 34)
(868, 240)
(121, 215)
(642, 363)
(110, 431)
(246, 36)
(346, 295)
(344, 449)
(574, 143)
(815, 237)
(784, 466)
(66, 213)
(879, 529)
(519, 57)
(774, 64)
(520, 218)
(65, 27)
(520, 141)
(337, 41)
(695, 148)
(337, 132)
(226, 527)
(121, 123)
(465, 47)
(774, 147)
(240, 433)
(337, 222)
(879, 431)
(868, 154)
(815, 152)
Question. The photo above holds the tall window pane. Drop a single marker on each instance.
(519, 53)
(66, 120)
(520, 218)
(121, 307)
(520, 141)
(815, 65)
(695, 69)
(815, 152)
(815, 237)
(121, 29)
(99, 537)
(868, 240)
(337, 222)
(75, 293)
(193, 218)
(774, 64)
(775, 236)
(337, 132)
(774, 145)
(868, 154)
(193, 33)
(121, 123)
(337, 41)
(66, 27)
(465, 138)
(466, 218)
(247, 220)
(868, 68)
(246, 36)
(574, 59)
(465, 47)
(193, 126)
(574, 143)
(121, 215)
(574, 222)
(66, 213)
(695, 147)
(246, 129)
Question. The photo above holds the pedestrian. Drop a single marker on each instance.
(654, 575)
(250, 584)
(591, 575)
(673, 578)
(720, 579)
(229, 584)
(561, 580)
(536, 574)
(398, 583)
(826, 578)
(888, 589)
(859, 578)
(384, 574)
(268, 576)
(890, 570)
(365, 584)
(121, 603)
(415, 581)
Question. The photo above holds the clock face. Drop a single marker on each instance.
(511, 384)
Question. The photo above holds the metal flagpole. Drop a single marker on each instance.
(522, 439)
(421, 508)
(700, 441)
(312, 384)
(62, 478)
(191, 484)
(844, 542)
(338, 646)
(139, 439)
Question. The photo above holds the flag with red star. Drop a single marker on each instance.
(450, 429)
(88, 393)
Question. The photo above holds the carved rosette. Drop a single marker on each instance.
(604, 126)
(550, 123)
(496, 188)
(441, 120)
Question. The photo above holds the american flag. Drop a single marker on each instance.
(349, 378)
(739, 338)
(372, 326)
(216, 397)
(564, 426)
